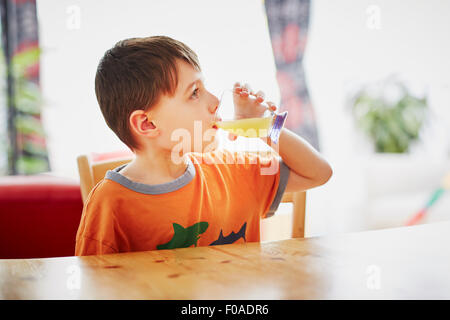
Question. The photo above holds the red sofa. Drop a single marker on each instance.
(39, 216)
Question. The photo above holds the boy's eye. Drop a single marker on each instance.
(195, 93)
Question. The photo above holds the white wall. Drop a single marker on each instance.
(343, 51)
(232, 41)
(232, 44)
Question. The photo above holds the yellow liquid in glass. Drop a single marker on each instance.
(250, 128)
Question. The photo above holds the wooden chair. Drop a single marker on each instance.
(92, 172)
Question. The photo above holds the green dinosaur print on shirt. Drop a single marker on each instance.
(184, 237)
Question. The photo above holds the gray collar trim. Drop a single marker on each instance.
(176, 184)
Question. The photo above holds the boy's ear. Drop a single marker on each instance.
(142, 125)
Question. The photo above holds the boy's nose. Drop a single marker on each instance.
(214, 105)
(213, 110)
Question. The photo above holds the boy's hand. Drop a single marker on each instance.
(248, 104)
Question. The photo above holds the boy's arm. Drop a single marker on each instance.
(308, 168)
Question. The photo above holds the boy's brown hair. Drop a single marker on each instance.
(134, 74)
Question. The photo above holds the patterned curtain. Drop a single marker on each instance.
(3, 113)
(288, 26)
(26, 147)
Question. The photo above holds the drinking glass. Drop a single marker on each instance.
(269, 125)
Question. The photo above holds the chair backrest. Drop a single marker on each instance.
(93, 172)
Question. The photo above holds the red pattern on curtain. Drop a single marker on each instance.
(288, 22)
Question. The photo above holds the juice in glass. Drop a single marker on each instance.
(268, 126)
(250, 128)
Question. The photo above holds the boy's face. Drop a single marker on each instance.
(186, 119)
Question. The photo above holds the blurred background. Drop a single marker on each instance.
(365, 82)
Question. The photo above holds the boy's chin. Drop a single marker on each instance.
(211, 146)
(204, 146)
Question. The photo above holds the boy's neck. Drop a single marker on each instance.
(154, 168)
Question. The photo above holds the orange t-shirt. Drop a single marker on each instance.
(219, 199)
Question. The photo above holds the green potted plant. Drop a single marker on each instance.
(389, 115)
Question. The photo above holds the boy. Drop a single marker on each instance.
(150, 90)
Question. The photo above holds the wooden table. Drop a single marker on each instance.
(401, 263)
